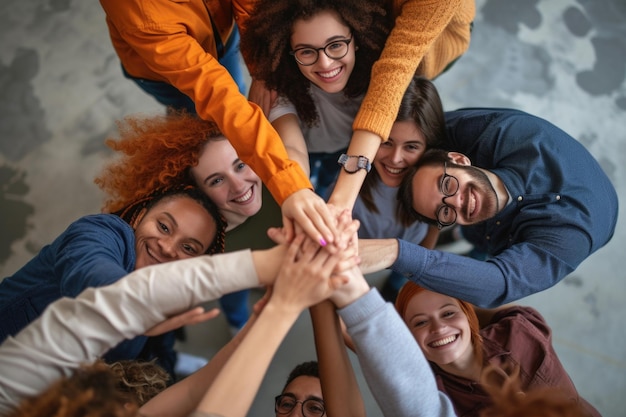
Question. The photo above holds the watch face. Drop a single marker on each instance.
(352, 164)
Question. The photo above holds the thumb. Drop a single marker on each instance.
(277, 235)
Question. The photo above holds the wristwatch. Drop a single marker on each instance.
(352, 163)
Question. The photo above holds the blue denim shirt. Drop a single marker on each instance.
(93, 251)
(563, 209)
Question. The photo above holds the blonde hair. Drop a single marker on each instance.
(143, 380)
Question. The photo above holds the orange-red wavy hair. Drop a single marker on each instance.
(157, 152)
(510, 401)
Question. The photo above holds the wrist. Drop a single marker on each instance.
(282, 310)
(347, 296)
(267, 263)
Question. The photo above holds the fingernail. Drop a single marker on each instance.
(322, 241)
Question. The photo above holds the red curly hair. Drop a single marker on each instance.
(158, 152)
(510, 401)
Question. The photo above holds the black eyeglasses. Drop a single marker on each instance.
(334, 50)
(310, 408)
(448, 186)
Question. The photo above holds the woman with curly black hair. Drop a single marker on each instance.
(317, 55)
(159, 226)
(425, 39)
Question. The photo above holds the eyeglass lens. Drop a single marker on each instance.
(449, 186)
(334, 50)
(310, 407)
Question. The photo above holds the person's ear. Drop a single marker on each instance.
(139, 218)
(459, 159)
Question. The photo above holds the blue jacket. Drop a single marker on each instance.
(563, 209)
(93, 251)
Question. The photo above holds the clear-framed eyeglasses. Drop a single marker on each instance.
(448, 186)
(336, 49)
(310, 408)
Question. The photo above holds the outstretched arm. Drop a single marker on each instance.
(79, 330)
(340, 389)
(426, 37)
(289, 130)
(303, 281)
(377, 254)
(346, 191)
(180, 399)
(394, 366)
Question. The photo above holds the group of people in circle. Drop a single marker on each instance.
(339, 163)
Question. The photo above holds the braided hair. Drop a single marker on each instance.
(129, 213)
(265, 46)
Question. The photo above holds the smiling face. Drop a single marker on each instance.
(475, 201)
(405, 145)
(231, 184)
(440, 328)
(325, 27)
(176, 227)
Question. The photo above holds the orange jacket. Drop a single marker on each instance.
(173, 41)
(426, 37)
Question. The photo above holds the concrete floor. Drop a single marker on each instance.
(564, 60)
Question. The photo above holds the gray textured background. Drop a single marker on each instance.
(564, 60)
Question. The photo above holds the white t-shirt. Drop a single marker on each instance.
(336, 114)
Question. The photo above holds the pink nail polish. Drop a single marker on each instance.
(322, 241)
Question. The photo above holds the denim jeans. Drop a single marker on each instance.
(324, 170)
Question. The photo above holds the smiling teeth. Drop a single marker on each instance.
(244, 197)
(394, 170)
(330, 74)
(444, 341)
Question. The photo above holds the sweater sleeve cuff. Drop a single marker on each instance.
(375, 122)
(411, 259)
(286, 182)
(363, 308)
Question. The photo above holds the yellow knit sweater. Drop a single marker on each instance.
(427, 36)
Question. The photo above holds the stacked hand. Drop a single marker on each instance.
(349, 281)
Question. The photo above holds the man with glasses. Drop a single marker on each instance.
(523, 191)
(303, 390)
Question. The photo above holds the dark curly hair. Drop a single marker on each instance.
(265, 45)
(421, 104)
(309, 368)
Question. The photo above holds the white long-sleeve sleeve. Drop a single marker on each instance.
(75, 331)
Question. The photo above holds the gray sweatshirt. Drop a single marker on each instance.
(394, 366)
